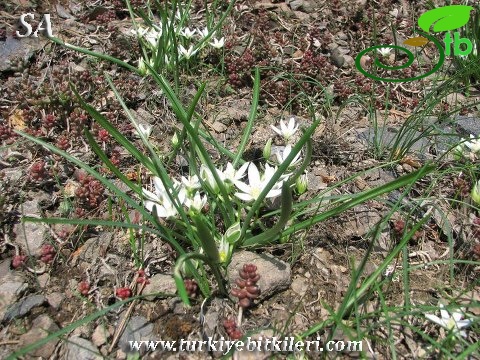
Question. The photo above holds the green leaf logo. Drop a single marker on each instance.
(445, 18)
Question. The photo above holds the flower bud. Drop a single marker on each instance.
(174, 140)
(459, 152)
(142, 67)
(267, 150)
(232, 235)
(476, 192)
(302, 183)
(210, 181)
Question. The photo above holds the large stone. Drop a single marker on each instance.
(275, 274)
(386, 137)
(161, 284)
(468, 125)
(90, 250)
(78, 348)
(30, 235)
(12, 286)
(301, 5)
(138, 328)
(42, 326)
(13, 50)
(24, 306)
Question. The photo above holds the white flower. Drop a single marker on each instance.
(218, 44)
(160, 200)
(188, 33)
(152, 36)
(384, 51)
(203, 33)
(196, 203)
(231, 175)
(141, 31)
(286, 131)
(473, 144)
(282, 155)
(256, 184)
(191, 183)
(186, 53)
(146, 130)
(224, 250)
(453, 322)
(209, 179)
(475, 194)
(178, 15)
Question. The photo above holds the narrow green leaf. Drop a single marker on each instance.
(251, 118)
(362, 197)
(119, 137)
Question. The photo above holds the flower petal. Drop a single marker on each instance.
(240, 172)
(274, 193)
(463, 323)
(242, 186)
(253, 175)
(444, 313)
(278, 131)
(149, 195)
(435, 319)
(244, 196)
(160, 189)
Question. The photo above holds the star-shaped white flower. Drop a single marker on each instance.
(188, 33)
(203, 32)
(191, 183)
(282, 156)
(286, 131)
(256, 184)
(230, 175)
(160, 200)
(218, 44)
(196, 203)
(153, 36)
(187, 54)
(145, 129)
(384, 51)
(224, 250)
(453, 322)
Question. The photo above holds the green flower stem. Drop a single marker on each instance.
(251, 118)
(209, 244)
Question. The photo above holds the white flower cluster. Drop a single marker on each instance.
(189, 189)
(152, 36)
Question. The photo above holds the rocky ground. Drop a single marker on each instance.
(53, 276)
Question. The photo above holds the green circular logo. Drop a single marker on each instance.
(411, 59)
